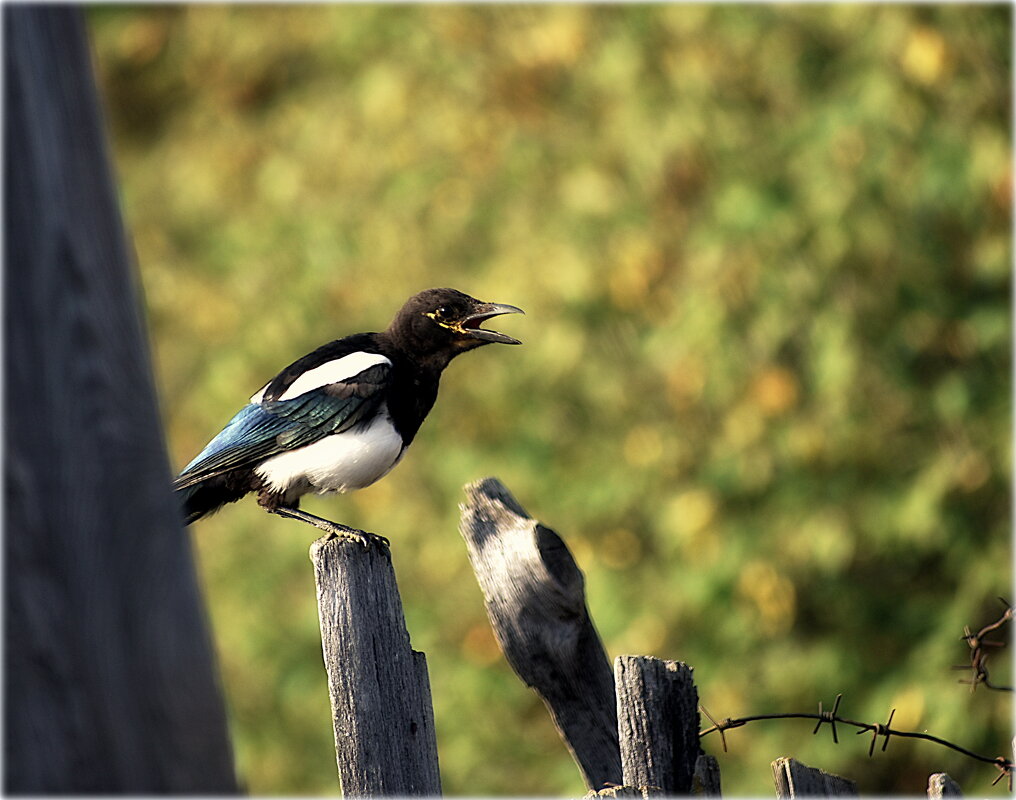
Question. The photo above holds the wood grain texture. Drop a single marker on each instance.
(706, 780)
(941, 785)
(110, 685)
(794, 779)
(383, 719)
(535, 599)
(658, 723)
(625, 791)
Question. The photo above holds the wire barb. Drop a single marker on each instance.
(1004, 771)
(828, 716)
(716, 726)
(886, 730)
(979, 656)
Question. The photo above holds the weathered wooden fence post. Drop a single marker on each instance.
(794, 779)
(647, 743)
(658, 723)
(382, 714)
(941, 785)
(641, 739)
(535, 599)
(110, 685)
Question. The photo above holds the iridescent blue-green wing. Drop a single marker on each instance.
(264, 429)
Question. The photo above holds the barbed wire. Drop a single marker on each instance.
(979, 655)
(1004, 765)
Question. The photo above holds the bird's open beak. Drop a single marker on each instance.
(470, 325)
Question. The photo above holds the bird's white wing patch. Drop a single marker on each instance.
(336, 371)
(259, 395)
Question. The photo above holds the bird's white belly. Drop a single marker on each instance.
(338, 463)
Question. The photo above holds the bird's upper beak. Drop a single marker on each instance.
(470, 325)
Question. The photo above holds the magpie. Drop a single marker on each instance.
(341, 417)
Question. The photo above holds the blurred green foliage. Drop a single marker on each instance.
(765, 393)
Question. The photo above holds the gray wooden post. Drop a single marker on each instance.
(109, 680)
(658, 723)
(794, 779)
(623, 791)
(535, 598)
(941, 785)
(380, 693)
(706, 780)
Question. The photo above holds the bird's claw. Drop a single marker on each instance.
(334, 530)
(368, 540)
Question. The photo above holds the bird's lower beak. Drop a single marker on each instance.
(484, 311)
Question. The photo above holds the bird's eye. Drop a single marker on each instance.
(441, 313)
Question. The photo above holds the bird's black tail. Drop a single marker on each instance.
(206, 497)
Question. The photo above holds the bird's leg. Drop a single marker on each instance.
(334, 529)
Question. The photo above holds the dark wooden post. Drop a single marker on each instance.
(535, 598)
(794, 779)
(941, 785)
(109, 680)
(380, 693)
(658, 723)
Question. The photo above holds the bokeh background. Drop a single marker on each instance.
(765, 392)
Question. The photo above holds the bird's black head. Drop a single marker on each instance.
(438, 324)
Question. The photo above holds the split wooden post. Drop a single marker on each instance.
(535, 598)
(658, 723)
(794, 779)
(382, 714)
